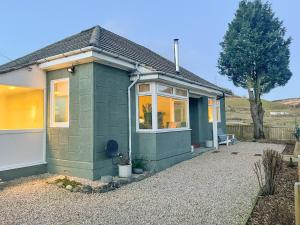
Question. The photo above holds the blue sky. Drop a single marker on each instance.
(200, 26)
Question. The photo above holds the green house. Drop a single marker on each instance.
(60, 105)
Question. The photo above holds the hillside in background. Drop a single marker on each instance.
(277, 113)
(292, 102)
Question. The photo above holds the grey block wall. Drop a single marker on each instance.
(110, 115)
(202, 129)
(70, 150)
(99, 112)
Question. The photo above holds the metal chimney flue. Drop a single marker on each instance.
(176, 55)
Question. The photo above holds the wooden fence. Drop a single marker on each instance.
(245, 132)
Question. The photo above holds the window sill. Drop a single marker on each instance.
(22, 131)
(163, 130)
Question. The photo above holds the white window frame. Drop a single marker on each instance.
(218, 103)
(52, 122)
(154, 93)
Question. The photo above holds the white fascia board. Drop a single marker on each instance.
(89, 56)
(193, 88)
(72, 59)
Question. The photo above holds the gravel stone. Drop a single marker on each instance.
(76, 189)
(87, 189)
(211, 189)
(60, 184)
(69, 187)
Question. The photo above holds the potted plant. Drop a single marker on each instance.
(125, 168)
(137, 167)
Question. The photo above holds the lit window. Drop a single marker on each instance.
(144, 87)
(171, 113)
(181, 92)
(161, 107)
(164, 89)
(21, 108)
(59, 103)
(145, 112)
(210, 110)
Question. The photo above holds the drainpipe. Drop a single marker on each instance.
(129, 112)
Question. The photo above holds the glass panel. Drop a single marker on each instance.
(181, 92)
(144, 87)
(164, 89)
(210, 113)
(171, 113)
(210, 110)
(145, 112)
(61, 102)
(21, 108)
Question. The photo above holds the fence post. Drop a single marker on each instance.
(297, 203)
(299, 168)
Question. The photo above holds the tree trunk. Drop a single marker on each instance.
(257, 114)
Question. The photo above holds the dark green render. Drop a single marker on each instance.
(99, 112)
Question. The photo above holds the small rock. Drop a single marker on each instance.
(149, 173)
(140, 177)
(104, 189)
(69, 187)
(122, 181)
(87, 189)
(60, 184)
(138, 170)
(76, 189)
(114, 184)
(106, 179)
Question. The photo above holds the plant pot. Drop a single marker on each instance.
(138, 170)
(125, 171)
(209, 143)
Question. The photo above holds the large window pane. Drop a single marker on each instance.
(60, 102)
(171, 113)
(21, 108)
(145, 112)
(210, 110)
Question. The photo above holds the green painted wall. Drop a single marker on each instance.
(194, 120)
(110, 115)
(70, 150)
(201, 128)
(99, 112)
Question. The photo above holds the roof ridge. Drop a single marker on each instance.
(95, 36)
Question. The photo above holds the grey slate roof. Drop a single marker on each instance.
(108, 41)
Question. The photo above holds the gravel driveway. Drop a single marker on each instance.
(214, 188)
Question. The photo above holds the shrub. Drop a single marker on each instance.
(66, 181)
(138, 164)
(272, 164)
(123, 159)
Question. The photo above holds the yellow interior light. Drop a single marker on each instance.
(21, 108)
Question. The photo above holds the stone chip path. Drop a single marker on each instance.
(211, 189)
